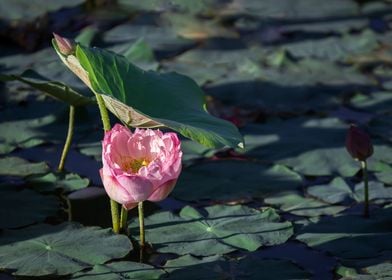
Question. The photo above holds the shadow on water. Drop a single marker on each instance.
(272, 97)
(355, 240)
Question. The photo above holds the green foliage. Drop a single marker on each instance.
(222, 229)
(54, 89)
(59, 250)
(120, 270)
(172, 100)
(15, 166)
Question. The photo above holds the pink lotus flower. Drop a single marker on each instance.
(139, 166)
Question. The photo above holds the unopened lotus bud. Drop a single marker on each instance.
(64, 45)
(358, 143)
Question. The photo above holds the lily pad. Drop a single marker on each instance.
(63, 249)
(380, 271)
(221, 230)
(351, 237)
(286, 9)
(294, 203)
(159, 38)
(21, 208)
(188, 267)
(25, 133)
(196, 28)
(338, 191)
(119, 271)
(93, 149)
(334, 48)
(324, 162)
(384, 173)
(51, 181)
(234, 179)
(52, 88)
(379, 102)
(15, 166)
(28, 10)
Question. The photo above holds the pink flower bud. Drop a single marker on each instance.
(65, 46)
(358, 143)
(139, 166)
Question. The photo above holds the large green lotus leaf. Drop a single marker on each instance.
(15, 166)
(52, 181)
(188, 267)
(338, 191)
(170, 99)
(55, 89)
(59, 250)
(351, 237)
(21, 208)
(120, 271)
(221, 230)
(234, 179)
(294, 203)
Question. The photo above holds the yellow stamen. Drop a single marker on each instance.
(132, 165)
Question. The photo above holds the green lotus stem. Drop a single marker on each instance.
(141, 229)
(106, 127)
(104, 112)
(115, 216)
(366, 189)
(123, 219)
(68, 140)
